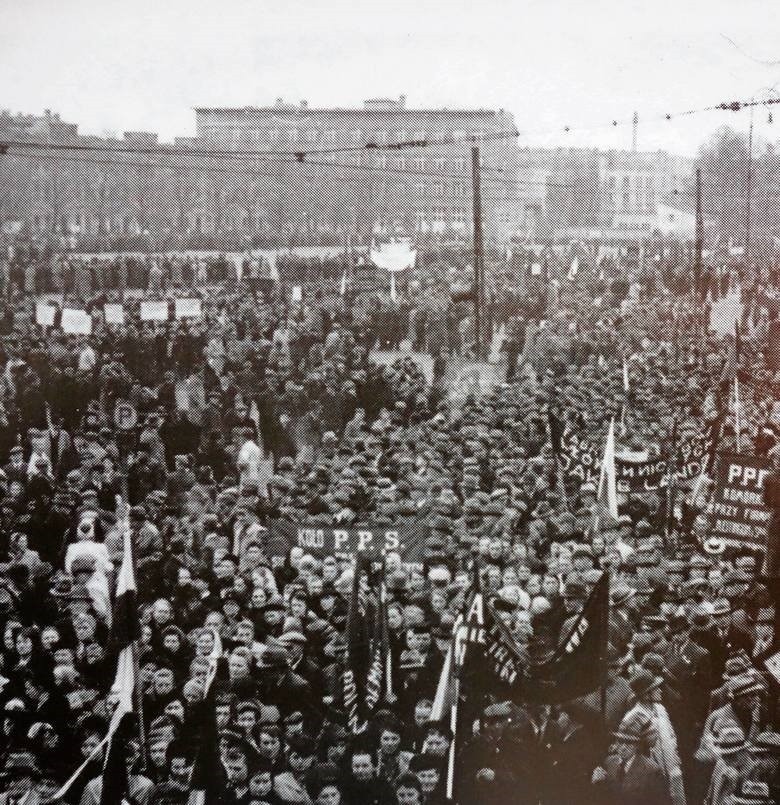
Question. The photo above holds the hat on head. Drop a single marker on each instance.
(497, 711)
(752, 792)
(643, 682)
(274, 657)
(634, 728)
(721, 606)
(621, 595)
(20, 764)
(575, 590)
(736, 665)
(290, 638)
(767, 742)
(730, 740)
(744, 685)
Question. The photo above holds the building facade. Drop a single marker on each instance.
(614, 193)
(372, 191)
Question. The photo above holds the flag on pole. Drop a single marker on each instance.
(208, 785)
(357, 665)
(379, 670)
(125, 632)
(579, 663)
(343, 288)
(607, 492)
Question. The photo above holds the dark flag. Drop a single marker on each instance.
(208, 783)
(358, 658)
(125, 632)
(379, 672)
(578, 666)
(579, 663)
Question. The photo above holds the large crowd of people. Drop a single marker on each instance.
(266, 413)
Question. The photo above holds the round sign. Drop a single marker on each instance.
(125, 415)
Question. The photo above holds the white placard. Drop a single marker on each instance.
(114, 314)
(188, 309)
(297, 293)
(772, 664)
(536, 269)
(78, 322)
(44, 314)
(154, 311)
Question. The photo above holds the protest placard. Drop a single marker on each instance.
(154, 311)
(114, 314)
(44, 314)
(76, 322)
(188, 308)
(297, 293)
(738, 514)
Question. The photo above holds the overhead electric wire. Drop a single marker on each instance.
(244, 168)
(297, 155)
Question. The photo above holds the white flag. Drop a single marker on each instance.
(608, 479)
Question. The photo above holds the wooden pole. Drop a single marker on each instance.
(479, 277)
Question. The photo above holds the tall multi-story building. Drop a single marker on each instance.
(371, 190)
(576, 190)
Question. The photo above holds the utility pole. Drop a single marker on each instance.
(748, 205)
(634, 131)
(699, 243)
(479, 277)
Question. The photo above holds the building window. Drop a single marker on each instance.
(459, 164)
(439, 136)
(399, 163)
(356, 135)
(439, 163)
(458, 216)
(273, 135)
(380, 162)
(438, 189)
(418, 163)
(402, 136)
(380, 137)
(330, 136)
(311, 135)
(478, 136)
(293, 135)
(419, 219)
(458, 189)
(419, 188)
(418, 135)
(458, 135)
(439, 215)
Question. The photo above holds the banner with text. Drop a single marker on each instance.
(407, 539)
(581, 463)
(737, 512)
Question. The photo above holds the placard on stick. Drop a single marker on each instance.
(76, 322)
(188, 308)
(154, 311)
(114, 314)
(44, 314)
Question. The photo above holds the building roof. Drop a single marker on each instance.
(351, 110)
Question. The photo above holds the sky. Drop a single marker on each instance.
(144, 65)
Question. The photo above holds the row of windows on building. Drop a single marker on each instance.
(235, 134)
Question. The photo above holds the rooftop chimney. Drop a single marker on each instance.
(279, 102)
(402, 101)
(304, 104)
